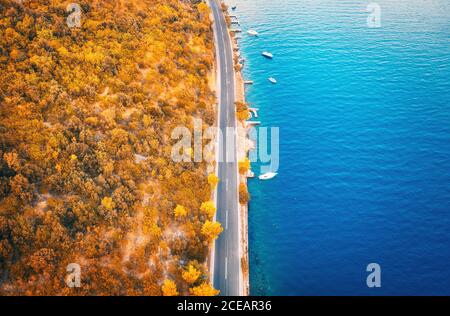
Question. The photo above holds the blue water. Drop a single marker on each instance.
(364, 117)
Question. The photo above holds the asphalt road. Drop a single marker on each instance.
(226, 256)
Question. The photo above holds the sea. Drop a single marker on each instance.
(362, 105)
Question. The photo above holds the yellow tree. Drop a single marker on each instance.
(243, 115)
(244, 166)
(211, 230)
(108, 203)
(203, 9)
(12, 159)
(169, 288)
(213, 180)
(208, 209)
(242, 111)
(191, 274)
(180, 211)
(155, 230)
(244, 196)
(205, 289)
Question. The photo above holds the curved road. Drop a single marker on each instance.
(227, 263)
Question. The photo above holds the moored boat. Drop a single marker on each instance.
(267, 55)
(268, 176)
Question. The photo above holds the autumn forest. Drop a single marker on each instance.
(86, 174)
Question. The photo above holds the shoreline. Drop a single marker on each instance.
(242, 153)
(242, 148)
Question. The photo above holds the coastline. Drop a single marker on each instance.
(242, 153)
(243, 145)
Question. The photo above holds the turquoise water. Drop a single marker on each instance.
(364, 119)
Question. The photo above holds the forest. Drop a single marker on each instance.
(86, 174)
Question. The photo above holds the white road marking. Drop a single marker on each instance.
(226, 220)
(226, 268)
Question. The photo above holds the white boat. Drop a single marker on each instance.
(267, 55)
(273, 80)
(268, 176)
(252, 33)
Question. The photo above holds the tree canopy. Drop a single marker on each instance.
(86, 174)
